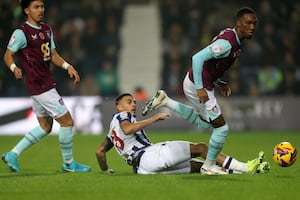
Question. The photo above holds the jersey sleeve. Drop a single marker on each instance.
(17, 41)
(53, 46)
(197, 65)
(220, 48)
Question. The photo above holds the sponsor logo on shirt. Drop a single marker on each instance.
(34, 37)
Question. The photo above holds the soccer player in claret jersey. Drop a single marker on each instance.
(171, 157)
(208, 66)
(35, 45)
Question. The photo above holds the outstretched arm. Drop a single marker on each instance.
(130, 128)
(105, 146)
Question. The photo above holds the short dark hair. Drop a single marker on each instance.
(244, 10)
(121, 96)
(25, 3)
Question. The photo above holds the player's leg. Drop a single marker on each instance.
(187, 112)
(230, 163)
(250, 167)
(30, 138)
(65, 137)
(209, 111)
(53, 103)
(163, 156)
(216, 142)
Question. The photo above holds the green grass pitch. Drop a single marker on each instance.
(41, 176)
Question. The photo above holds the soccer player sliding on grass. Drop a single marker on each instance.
(171, 157)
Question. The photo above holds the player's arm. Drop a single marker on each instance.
(10, 63)
(131, 128)
(57, 60)
(218, 49)
(17, 41)
(104, 147)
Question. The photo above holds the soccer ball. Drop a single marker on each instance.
(285, 154)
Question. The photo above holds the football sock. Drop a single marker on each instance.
(188, 113)
(65, 137)
(216, 143)
(29, 139)
(233, 164)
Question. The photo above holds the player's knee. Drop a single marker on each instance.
(199, 149)
(47, 128)
(65, 120)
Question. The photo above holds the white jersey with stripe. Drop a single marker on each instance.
(127, 146)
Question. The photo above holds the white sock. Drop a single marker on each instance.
(233, 164)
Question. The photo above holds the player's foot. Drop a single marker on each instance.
(160, 99)
(215, 170)
(11, 160)
(75, 167)
(252, 165)
(263, 168)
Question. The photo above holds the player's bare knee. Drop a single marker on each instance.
(65, 120)
(47, 128)
(218, 122)
(199, 149)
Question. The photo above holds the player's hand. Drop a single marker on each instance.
(73, 73)
(202, 94)
(108, 171)
(18, 73)
(225, 90)
(161, 116)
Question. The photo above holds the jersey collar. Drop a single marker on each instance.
(237, 37)
(33, 26)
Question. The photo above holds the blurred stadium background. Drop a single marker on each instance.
(140, 46)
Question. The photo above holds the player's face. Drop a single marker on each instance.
(246, 26)
(35, 12)
(128, 103)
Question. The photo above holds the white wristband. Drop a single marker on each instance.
(65, 65)
(13, 67)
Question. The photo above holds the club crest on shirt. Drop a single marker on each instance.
(42, 36)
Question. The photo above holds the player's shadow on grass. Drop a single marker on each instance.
(28, 174)
(215, 178)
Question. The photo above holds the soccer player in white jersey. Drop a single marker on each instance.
(131, 142)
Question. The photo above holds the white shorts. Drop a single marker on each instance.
(49, 103)
(211, 107)
(171, 157)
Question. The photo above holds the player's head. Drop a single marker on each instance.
(26, 5)
(245, 23)
(126, 102)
